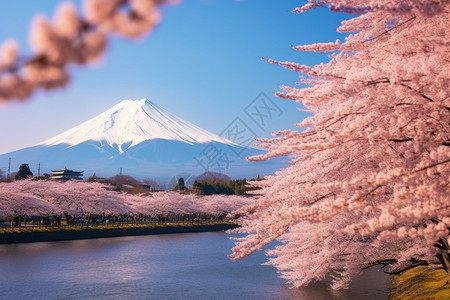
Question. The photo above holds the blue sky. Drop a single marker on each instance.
(201, 63)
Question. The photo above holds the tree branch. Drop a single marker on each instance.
(378, 262)
(431, 166)
(407, 267)
(401, 140)
(320, 198)
(390, 29)
(422, 95)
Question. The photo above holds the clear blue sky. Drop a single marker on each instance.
(202, 64)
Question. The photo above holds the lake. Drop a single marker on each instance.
(175, 266)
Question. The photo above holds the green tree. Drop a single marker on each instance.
(24, 172)
(180, 185)
(93, 178)
(45, 176)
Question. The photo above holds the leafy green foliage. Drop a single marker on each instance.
(180, 185)
(24, 172)
(233, 187)
(45, 176)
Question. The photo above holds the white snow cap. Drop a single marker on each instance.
(132, 122)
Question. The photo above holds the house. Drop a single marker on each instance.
(66, 174)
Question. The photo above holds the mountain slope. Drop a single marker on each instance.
(131, 122)
(144, 140)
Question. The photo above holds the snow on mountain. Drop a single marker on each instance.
(131, 122)
(145, 141)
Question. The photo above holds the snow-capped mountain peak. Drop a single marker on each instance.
(144, 140)
(131, 122)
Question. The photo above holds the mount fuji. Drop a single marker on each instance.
(146, 141)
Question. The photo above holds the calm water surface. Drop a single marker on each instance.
(177, 266)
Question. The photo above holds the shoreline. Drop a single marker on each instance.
(419, 283)
(96, 233)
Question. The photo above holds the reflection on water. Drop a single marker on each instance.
(155, 267)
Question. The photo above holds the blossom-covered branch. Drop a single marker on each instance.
(71, 38)
(369, 174)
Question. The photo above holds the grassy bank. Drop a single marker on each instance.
(41, 228)
(50, 234)
(420, 283)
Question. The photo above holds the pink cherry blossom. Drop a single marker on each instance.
(71, 37)
(79, 198)
(369, 175)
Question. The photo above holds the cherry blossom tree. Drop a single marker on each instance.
(79, 198)
(71, 38)
(369, 175)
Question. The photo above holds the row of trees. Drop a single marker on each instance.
(103, 219)
(79, 198)
(208, 183)
(221, 187)
(233, 187)
(23, 173)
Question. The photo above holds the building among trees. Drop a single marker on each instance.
(66, 174)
